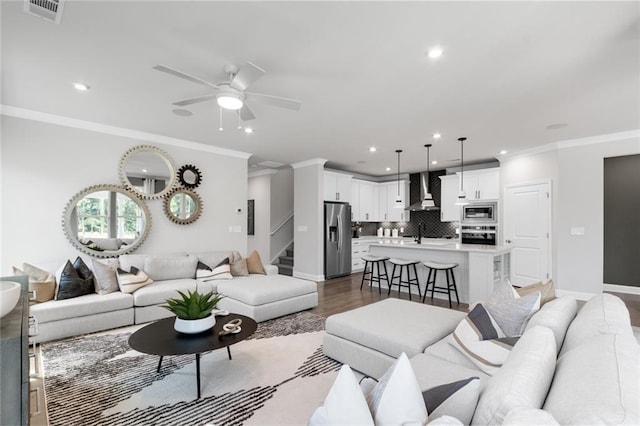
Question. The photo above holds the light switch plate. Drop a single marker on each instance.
(577, 230)
(235, 228)
(302, 228)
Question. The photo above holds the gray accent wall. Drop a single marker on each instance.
(622, 220)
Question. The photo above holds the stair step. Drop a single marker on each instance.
(290, 252)
(285, 270)
(286, 260)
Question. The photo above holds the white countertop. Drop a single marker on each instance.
(439, 244)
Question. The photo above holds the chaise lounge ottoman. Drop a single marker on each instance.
(370, 338)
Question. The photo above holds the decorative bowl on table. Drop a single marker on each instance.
(9, 296)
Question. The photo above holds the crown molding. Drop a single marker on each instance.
(263, 173)
(27, 114)
(312, 162)
(572, 143)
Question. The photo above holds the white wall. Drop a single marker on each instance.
(281, 196)
(308, 220)
(260, 190)
(44, 165)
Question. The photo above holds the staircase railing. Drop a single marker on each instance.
(281, 237)
(284, 222)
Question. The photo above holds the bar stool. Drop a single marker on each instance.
(434, 267)
(406, 266)
(374, 261)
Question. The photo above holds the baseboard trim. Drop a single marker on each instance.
(626, 289)
(578, 295)
(308, 277)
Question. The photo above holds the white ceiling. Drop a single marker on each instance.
(508, 71)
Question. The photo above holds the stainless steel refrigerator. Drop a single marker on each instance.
(337, 239)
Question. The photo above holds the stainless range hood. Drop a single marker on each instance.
(424, 190)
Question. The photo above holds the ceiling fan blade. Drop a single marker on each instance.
(184, 75)
(194, 100)
(246, 114)
(248, 74)
(274, 100)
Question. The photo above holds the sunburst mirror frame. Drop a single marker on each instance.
(196, 173)
(175, 219)
(166, 158)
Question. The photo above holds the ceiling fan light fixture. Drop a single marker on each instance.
(229, 101)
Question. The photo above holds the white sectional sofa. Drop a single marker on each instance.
(258, 296)
(579, 368)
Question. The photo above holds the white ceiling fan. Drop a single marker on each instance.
(231, 94)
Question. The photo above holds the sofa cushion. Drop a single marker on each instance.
(239, 268)
(137, 260)
(75, 280)
(444, 350)
(158, 292)
(598, 382)
(457, 399)
(221, 271)
(345, 403)
(105, 277)
(524, 379)
(132, 280)
(90, 304)
(393, 326)
(556, 315)
(170, 268)
(432, 371)
(529, 417)
(602, 314)
(547, 293)
(254, 263)
(212, 258)
(511, 311)
(42, 282)
(258, 290)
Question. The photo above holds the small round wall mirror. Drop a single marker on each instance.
(183, 206)
(189, 176)
(106, 221)
(148, 171)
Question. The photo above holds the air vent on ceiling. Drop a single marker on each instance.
(271, 164)
(49, 10)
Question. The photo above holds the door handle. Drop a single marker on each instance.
(507, 241)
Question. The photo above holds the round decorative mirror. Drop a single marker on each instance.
(148, 171)
(106, 221)
(189, 176)
(183, 206)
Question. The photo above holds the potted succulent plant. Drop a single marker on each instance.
(194, 311)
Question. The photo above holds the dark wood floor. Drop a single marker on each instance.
(342, 294)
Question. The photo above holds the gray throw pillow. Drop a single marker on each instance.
(510, 311)
(457, 399)
(105, 277)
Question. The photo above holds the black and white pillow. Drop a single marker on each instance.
(132, 280)
(479, 337)
(457, 399)
(222, 271)
(74, 280)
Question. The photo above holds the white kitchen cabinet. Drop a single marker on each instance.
(337, 187)
(355, 200)
(397, 214)
(482, 184)
(366, 207)
(449, 187)
(383, 203)
(358, 249)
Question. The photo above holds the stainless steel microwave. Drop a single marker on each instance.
(483, 212)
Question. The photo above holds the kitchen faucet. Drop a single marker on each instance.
(418, 239)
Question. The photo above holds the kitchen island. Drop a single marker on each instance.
(480, 267)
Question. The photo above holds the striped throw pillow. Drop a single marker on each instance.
(132, 280)
(481, 340)
(221, 271)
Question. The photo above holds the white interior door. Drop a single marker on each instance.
(527, 212)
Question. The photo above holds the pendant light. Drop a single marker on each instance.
(398, 204)
(462, 197)
(428, 198)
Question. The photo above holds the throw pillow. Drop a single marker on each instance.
(457, 399)
(345, 404)
(222, 271)
(547, 293)
(105, 277)
(480, 339)
(510, 311)
(72, 284)
(239, 268)
(132, 280)
(254, 264)
(41, 282)
(397, 398)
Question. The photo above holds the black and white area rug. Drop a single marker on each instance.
(277, 377)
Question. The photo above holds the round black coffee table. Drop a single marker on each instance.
(160, 338)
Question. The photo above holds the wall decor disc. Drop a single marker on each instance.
(189, 176)
(183, 206)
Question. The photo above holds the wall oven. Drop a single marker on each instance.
(478, 234)
(480, 213)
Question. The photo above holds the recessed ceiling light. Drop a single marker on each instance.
(434, 53)
(388, 169)
(361, 162)
(248, 130)
(437, 135)
(556, 126)
(81, 87)
(372, 149)
(145, 171)
(182, 112)
(503, 152)
(434, 162)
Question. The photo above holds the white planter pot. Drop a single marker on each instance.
(194, 326)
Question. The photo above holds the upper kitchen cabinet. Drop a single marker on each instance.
(364, 200)
(449, 187)
(337, 187)
(482, 184)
